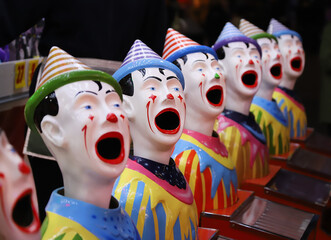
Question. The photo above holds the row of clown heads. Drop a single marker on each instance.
(201, 120)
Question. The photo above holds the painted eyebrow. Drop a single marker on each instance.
(109, 91)
(159, 79)
(171, 77)
(198, 61)
(86, 92)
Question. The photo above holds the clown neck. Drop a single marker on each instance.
(86, 186)
(195, 119)
(288, 81)
(266, 90)
(238, 102)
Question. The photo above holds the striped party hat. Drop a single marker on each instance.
(277, 29)
(177, 45)
(141, 56)
(61, 69)
(252, 31)
(232, 34)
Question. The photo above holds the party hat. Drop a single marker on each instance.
(277, 29)
(61, 69)
(141, 56)
(232, 34)
(252, 31)
(177, 45)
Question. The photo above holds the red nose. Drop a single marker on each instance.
(170, 96)
(111, 117)
(278, 56)
(24, 168)
(250, 61)
(299, 51)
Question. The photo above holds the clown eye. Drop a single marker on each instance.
(176, 89)
(13, 150)
(239, 56)
(152, 88)
(200, 69)
(88, 107)
(116, 105)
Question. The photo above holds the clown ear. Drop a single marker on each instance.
(52, 131)
(128, 107)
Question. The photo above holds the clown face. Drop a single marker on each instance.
(91, 130)
(204, 84)
(271, 61)
(293, 54)
(18, 202)
(242, 68)
(157, 107)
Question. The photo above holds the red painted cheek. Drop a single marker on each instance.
(257, 61)
(153, 97)
(84, 130)
(241, 60)
(180, 98)
(91, 117)
(24, 168)
(122, 116)
(203, 75)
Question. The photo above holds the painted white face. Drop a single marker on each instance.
(242, 68)
(158, 106)
(18, 202)
(204, 84)
(94, 131)
(293, 54)
(271, 61)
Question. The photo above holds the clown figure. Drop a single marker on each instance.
(199, 154)
(265, 109)
(18, 202)
(152, 189)
(240, 57)
(290, 45)
(78, 113)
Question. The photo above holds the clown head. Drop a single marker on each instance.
(271, 56)
(18, 202)
(153, 99)
(240, 57)
(290, 45)
(80, 118)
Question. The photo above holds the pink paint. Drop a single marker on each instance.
(210, 142)
(256, 146)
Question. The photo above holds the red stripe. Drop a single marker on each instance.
(208, 181)
(220, 193)
(188, 167)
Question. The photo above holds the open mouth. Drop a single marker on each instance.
(110, 148)
(296, 64)
(215, 95)
(168, 121)
(24, 214)
(249, 79)
(276, 71)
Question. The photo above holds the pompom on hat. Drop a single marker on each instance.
(61, 69)
(232, 34)
(141, 56)
(177, 45)
(277, 29)
(252, 31)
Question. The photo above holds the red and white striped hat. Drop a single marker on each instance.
(177, 45)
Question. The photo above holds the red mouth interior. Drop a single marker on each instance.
(249, 79)
(109, 148)
(24, 214)
(296, 64)
(168, 121)
(215, 95)
(276, 71)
